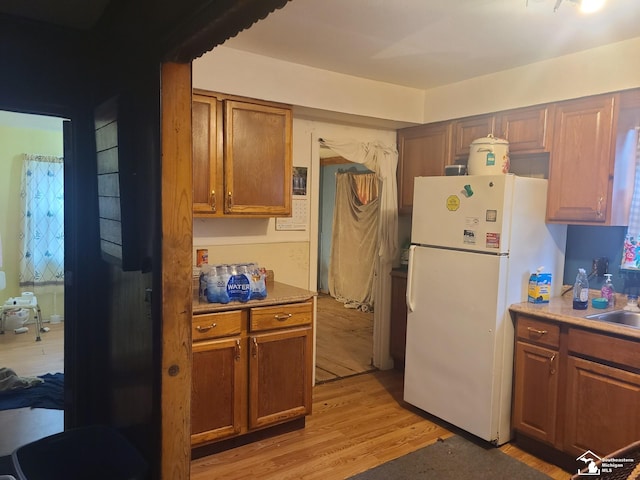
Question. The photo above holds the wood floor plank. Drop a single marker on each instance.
(344, 340)
(357, 423)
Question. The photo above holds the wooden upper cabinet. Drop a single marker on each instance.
(528, 130)
(582, 161)
(422, 151)
(242, 157)
(466, 130)
(258, 165)
(206, 114)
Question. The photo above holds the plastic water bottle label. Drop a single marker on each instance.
(584, 295)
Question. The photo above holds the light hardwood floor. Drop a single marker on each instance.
(344, 340)
(29, 358)
(357, 423)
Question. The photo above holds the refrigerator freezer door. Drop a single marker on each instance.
(455, 352)
(464, 212)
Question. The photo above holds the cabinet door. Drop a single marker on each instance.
(536, 392)
(206, 133)
(581, 172)
(398, 327)
(422, 151)
(467, 130)
(257, 167)
(280, 369)
(527, 129)
(603, 408)
(216, 392)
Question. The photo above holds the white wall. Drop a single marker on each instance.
(599, 70)
(237, 240)
(603, 69)
(226, 70)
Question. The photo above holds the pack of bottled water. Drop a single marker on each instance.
(237, 282)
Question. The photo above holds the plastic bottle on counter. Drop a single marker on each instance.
(239, 285)
(607, 291)
(581, 291)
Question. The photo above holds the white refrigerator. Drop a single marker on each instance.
(475, 241)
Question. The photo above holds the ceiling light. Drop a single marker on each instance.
(586, 6)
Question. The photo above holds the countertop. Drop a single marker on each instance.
(560, 309)
(277, 293)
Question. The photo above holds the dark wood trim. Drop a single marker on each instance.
(333, 161)
(177, 282)
(212, 24)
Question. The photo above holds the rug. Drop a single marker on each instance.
(49, 394)
(454, 458)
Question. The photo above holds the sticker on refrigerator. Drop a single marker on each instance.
(453, 203)
(491, 216)
(469, 237)
(471, 223)
(493, 240)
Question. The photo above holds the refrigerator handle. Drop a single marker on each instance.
(409, 296)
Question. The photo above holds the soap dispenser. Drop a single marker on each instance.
(607, 291)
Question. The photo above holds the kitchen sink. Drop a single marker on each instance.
(621, 317)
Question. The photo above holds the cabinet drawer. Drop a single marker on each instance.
(538, 331)
(216, 325)
(281, 316)
(610, 349)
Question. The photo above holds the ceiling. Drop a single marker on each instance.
(426, 43)
(415, 43)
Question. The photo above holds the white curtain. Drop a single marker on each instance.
(354, 240)
(42, 228)
(383, 160)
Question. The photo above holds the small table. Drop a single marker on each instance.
(19, 302)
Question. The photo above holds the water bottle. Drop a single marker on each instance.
(581, 291)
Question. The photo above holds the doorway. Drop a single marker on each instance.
(344, 338)
(42, 137)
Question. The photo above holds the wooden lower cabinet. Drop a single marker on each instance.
(252, 368)
(398, 324)
(280, 376)
(575, 389)
(536, 392)
(603, 407)
(217, 389)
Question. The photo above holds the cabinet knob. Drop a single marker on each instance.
(254, 347)
(536, 331)
(202, 329)
(238, 350)
(599, 208)
(552, 368)
(229, 200)
(281, 317)
(213, 201)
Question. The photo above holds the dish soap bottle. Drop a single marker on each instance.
(607, 291)
(581, 291)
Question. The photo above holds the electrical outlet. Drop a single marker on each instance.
(600, 266)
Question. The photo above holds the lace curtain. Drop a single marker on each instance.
(42, 227)
(631, 248)
(354, 242)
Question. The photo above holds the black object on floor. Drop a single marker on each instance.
(6, 466)
(49, 394)
(94, 452)
(454, 458)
